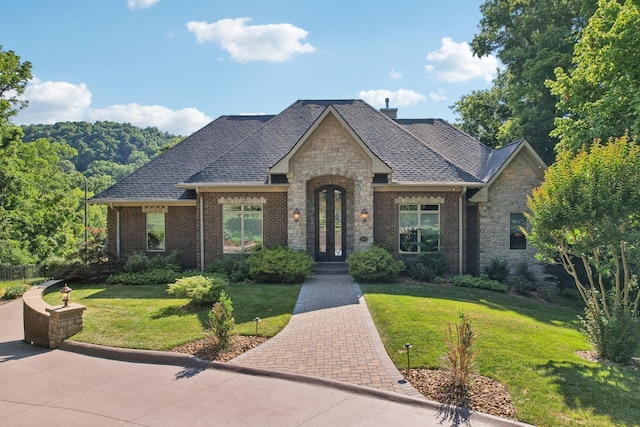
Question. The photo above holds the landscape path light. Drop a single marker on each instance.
(408, 346)
(257, 320)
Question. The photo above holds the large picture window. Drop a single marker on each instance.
(242, 227)
(516, 236)
(155, 232)
(419, 228)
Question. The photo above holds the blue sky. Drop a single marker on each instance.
(178, 64)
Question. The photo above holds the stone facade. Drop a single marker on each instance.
(505, 196)
(330, 156)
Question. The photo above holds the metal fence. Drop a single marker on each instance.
(19, 272)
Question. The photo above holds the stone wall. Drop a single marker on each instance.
(506, 195)
(331, 156)
(45, 325)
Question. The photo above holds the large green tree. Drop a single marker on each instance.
(601, 93)
(38, 210)
(586, 213)
(531, 38)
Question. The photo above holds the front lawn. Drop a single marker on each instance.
(146, 317)
(528, 346)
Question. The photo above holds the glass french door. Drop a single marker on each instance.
(331, 202)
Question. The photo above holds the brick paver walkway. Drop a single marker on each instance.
(330, 335)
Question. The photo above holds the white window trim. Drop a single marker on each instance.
(419, 212)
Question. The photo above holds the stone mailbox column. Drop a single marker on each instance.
(64, 322)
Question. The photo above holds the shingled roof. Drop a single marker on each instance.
(242, 149)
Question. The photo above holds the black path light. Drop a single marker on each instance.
(65, 291)
(257, 320)
(407, 346)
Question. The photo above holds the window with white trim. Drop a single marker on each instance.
(155, 232)
(419, 228)
(242, 227)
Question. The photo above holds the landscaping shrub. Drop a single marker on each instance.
(459, 359)
(374, 265)
(201, 290)
(618, 339)
(221, 322)
(147, 277)
(468, 281)
(234, 266)
(427, 266)
(14, 291)
(524, 281)
(279, 265)
(498, 270)
(140, 261)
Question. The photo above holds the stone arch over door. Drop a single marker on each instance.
(330, 180)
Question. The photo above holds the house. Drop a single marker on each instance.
(329, 177)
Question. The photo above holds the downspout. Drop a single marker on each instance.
(460, 229)
(117, 232)
(201, 233)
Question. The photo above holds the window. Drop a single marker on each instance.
(516, 236)
(419, 228)
(155, 232)
(242, 227)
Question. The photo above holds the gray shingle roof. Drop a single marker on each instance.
(242, 149)
(157, 179)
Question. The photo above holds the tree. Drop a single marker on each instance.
(483, 113)
(531, 38)
(602, 92)
(586, 213)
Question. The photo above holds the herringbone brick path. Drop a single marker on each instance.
(330, 335)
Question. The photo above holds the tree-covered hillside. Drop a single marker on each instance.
(105, 151)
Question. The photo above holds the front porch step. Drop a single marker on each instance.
(331, 268)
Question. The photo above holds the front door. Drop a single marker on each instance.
(331, 223)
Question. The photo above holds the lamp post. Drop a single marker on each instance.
(65, 291)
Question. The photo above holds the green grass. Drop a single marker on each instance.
(145, 317)
(528, 346)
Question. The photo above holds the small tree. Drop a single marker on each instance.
(221, 322)
(459, 358)
(586, 213)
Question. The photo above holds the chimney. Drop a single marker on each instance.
(392, 113)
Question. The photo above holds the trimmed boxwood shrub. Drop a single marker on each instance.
(373, 265)
(426, 266)
(147, 277)
(279, 265)
(468, 281)
(234, 266)
(498, 270)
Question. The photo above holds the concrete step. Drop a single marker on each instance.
(331, 268)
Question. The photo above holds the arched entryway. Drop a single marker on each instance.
(330, 223)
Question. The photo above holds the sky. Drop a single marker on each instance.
(179, 64)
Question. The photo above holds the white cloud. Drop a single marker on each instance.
(454, 62)
(179, 122)
(437, 96)
(141, 4)
(245, 43)
(51, 102)
(394, 74)
(399, 98)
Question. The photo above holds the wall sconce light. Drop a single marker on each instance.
(296, 214)
(65, 291)
(364, 214)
